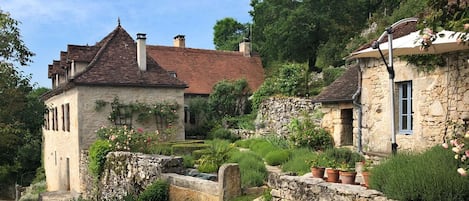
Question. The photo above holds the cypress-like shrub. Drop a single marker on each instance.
(427, 176)
(97, 153)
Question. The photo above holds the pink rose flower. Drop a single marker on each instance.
(456, 150)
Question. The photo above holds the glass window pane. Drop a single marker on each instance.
(404, 122)
(404, 106)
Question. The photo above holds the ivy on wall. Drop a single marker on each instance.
(163, 113)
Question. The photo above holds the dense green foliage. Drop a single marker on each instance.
(287, 80)
(341, 158)
(305, 133)
(97, 153)
(157, 191)
(214, 156)
(229, 98)
(228, 33)
(21, 110)
(418, 177)
(223, 134)
(294, 31)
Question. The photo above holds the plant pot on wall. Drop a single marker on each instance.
(332, 175)
(348, 177)
(366, 179)
(318, 172)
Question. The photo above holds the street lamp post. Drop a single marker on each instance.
(390, 69)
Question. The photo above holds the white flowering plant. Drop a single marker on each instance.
(125, 139)
(458, 143)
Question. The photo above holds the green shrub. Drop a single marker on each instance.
(188, 161)
(342, 157)
(427, 176)
(252, 168)
(277, 157)
(97, 153)
(217, 154)
(157, 191)
(277, 141)
(304, 133)
(298, 161)
(223, 134)
(241, 122)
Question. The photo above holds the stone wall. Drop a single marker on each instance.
(129, 173)
(126, 172)
(306, 188)
(275, 113)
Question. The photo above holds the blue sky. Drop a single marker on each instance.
(48, 26)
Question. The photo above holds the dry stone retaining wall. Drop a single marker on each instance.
(275, 113)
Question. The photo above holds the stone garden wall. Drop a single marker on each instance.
(129, 173)
(275, 113)
(305, 188)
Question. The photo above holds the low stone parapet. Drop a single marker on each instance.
(306, 188)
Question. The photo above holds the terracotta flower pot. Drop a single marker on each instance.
(366, 177)
(318, 172)
(348, 177)
(332, 175)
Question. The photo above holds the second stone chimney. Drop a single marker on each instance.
(179, 41)
(141, 51)
(245, 47)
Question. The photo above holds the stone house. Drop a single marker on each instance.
(201, 69)
(115, 67)
(424, 101)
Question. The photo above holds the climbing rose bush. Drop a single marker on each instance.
(125, 139)
(458, 144)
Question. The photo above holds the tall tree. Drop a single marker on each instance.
(294, 31)
(228, 33)
(21, 111)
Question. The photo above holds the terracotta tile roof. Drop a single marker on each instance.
(81, 53)
(202, 69)
(113, 61)
(342, 89)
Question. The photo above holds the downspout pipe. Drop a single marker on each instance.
(390, 68)
(358, 104)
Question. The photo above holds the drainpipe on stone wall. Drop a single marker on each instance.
(357, 103)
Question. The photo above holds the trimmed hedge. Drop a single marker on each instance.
(97, 153)
(428, 176)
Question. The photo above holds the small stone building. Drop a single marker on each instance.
(337, 105)
(425, 100)
(115, 67)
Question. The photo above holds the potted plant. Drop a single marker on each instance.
(366, 167)
(318, 166)
(347, 173)
(332, 172)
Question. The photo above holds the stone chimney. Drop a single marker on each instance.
(141, 51)
(179, 41)
(245, 47)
